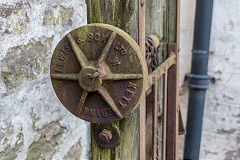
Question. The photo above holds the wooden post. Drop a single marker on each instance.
(172, 86)
(122, 14)
(156, 24)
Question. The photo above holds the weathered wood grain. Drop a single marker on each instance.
(122, 14)
(156, 24)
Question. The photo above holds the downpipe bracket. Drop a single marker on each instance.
(197, 81)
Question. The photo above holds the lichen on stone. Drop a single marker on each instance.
(10, 153)
(41, 149)
(25, 62)
(74, 152)
(58, 14)
(14, 17)
(45, 147)
(11, 144)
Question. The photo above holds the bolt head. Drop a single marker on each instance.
(105, 136)
(89, 79)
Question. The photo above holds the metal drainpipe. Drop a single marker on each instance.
(198, 80)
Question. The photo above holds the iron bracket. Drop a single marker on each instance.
(197, 81)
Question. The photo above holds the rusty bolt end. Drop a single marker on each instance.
(105, 135)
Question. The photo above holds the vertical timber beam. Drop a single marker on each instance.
(156, 25)
(172, 86)
(122, 14)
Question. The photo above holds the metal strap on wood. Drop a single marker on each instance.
(142, 110)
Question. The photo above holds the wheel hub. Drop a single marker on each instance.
(89, 79)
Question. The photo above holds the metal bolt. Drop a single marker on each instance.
(105, 135)
(95, 75)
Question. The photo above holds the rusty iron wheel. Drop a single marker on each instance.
(99, 73)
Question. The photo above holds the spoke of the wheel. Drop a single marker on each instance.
(123, 76)
(107, 47)
(107, 97)
(81, 102)
(65, 76)
(78, 52)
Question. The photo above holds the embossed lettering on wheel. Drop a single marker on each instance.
(98, 72)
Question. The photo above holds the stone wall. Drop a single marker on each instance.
(34, 124)
(221, 123)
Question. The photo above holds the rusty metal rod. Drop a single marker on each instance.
(160, 70)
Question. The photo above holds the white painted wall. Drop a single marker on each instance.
(221, 124)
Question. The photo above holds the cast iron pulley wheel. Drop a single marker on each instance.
(99, 73)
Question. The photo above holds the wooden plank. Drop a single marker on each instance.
(152, 123)
(171, 114)
(173, 91)
(149, 123)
